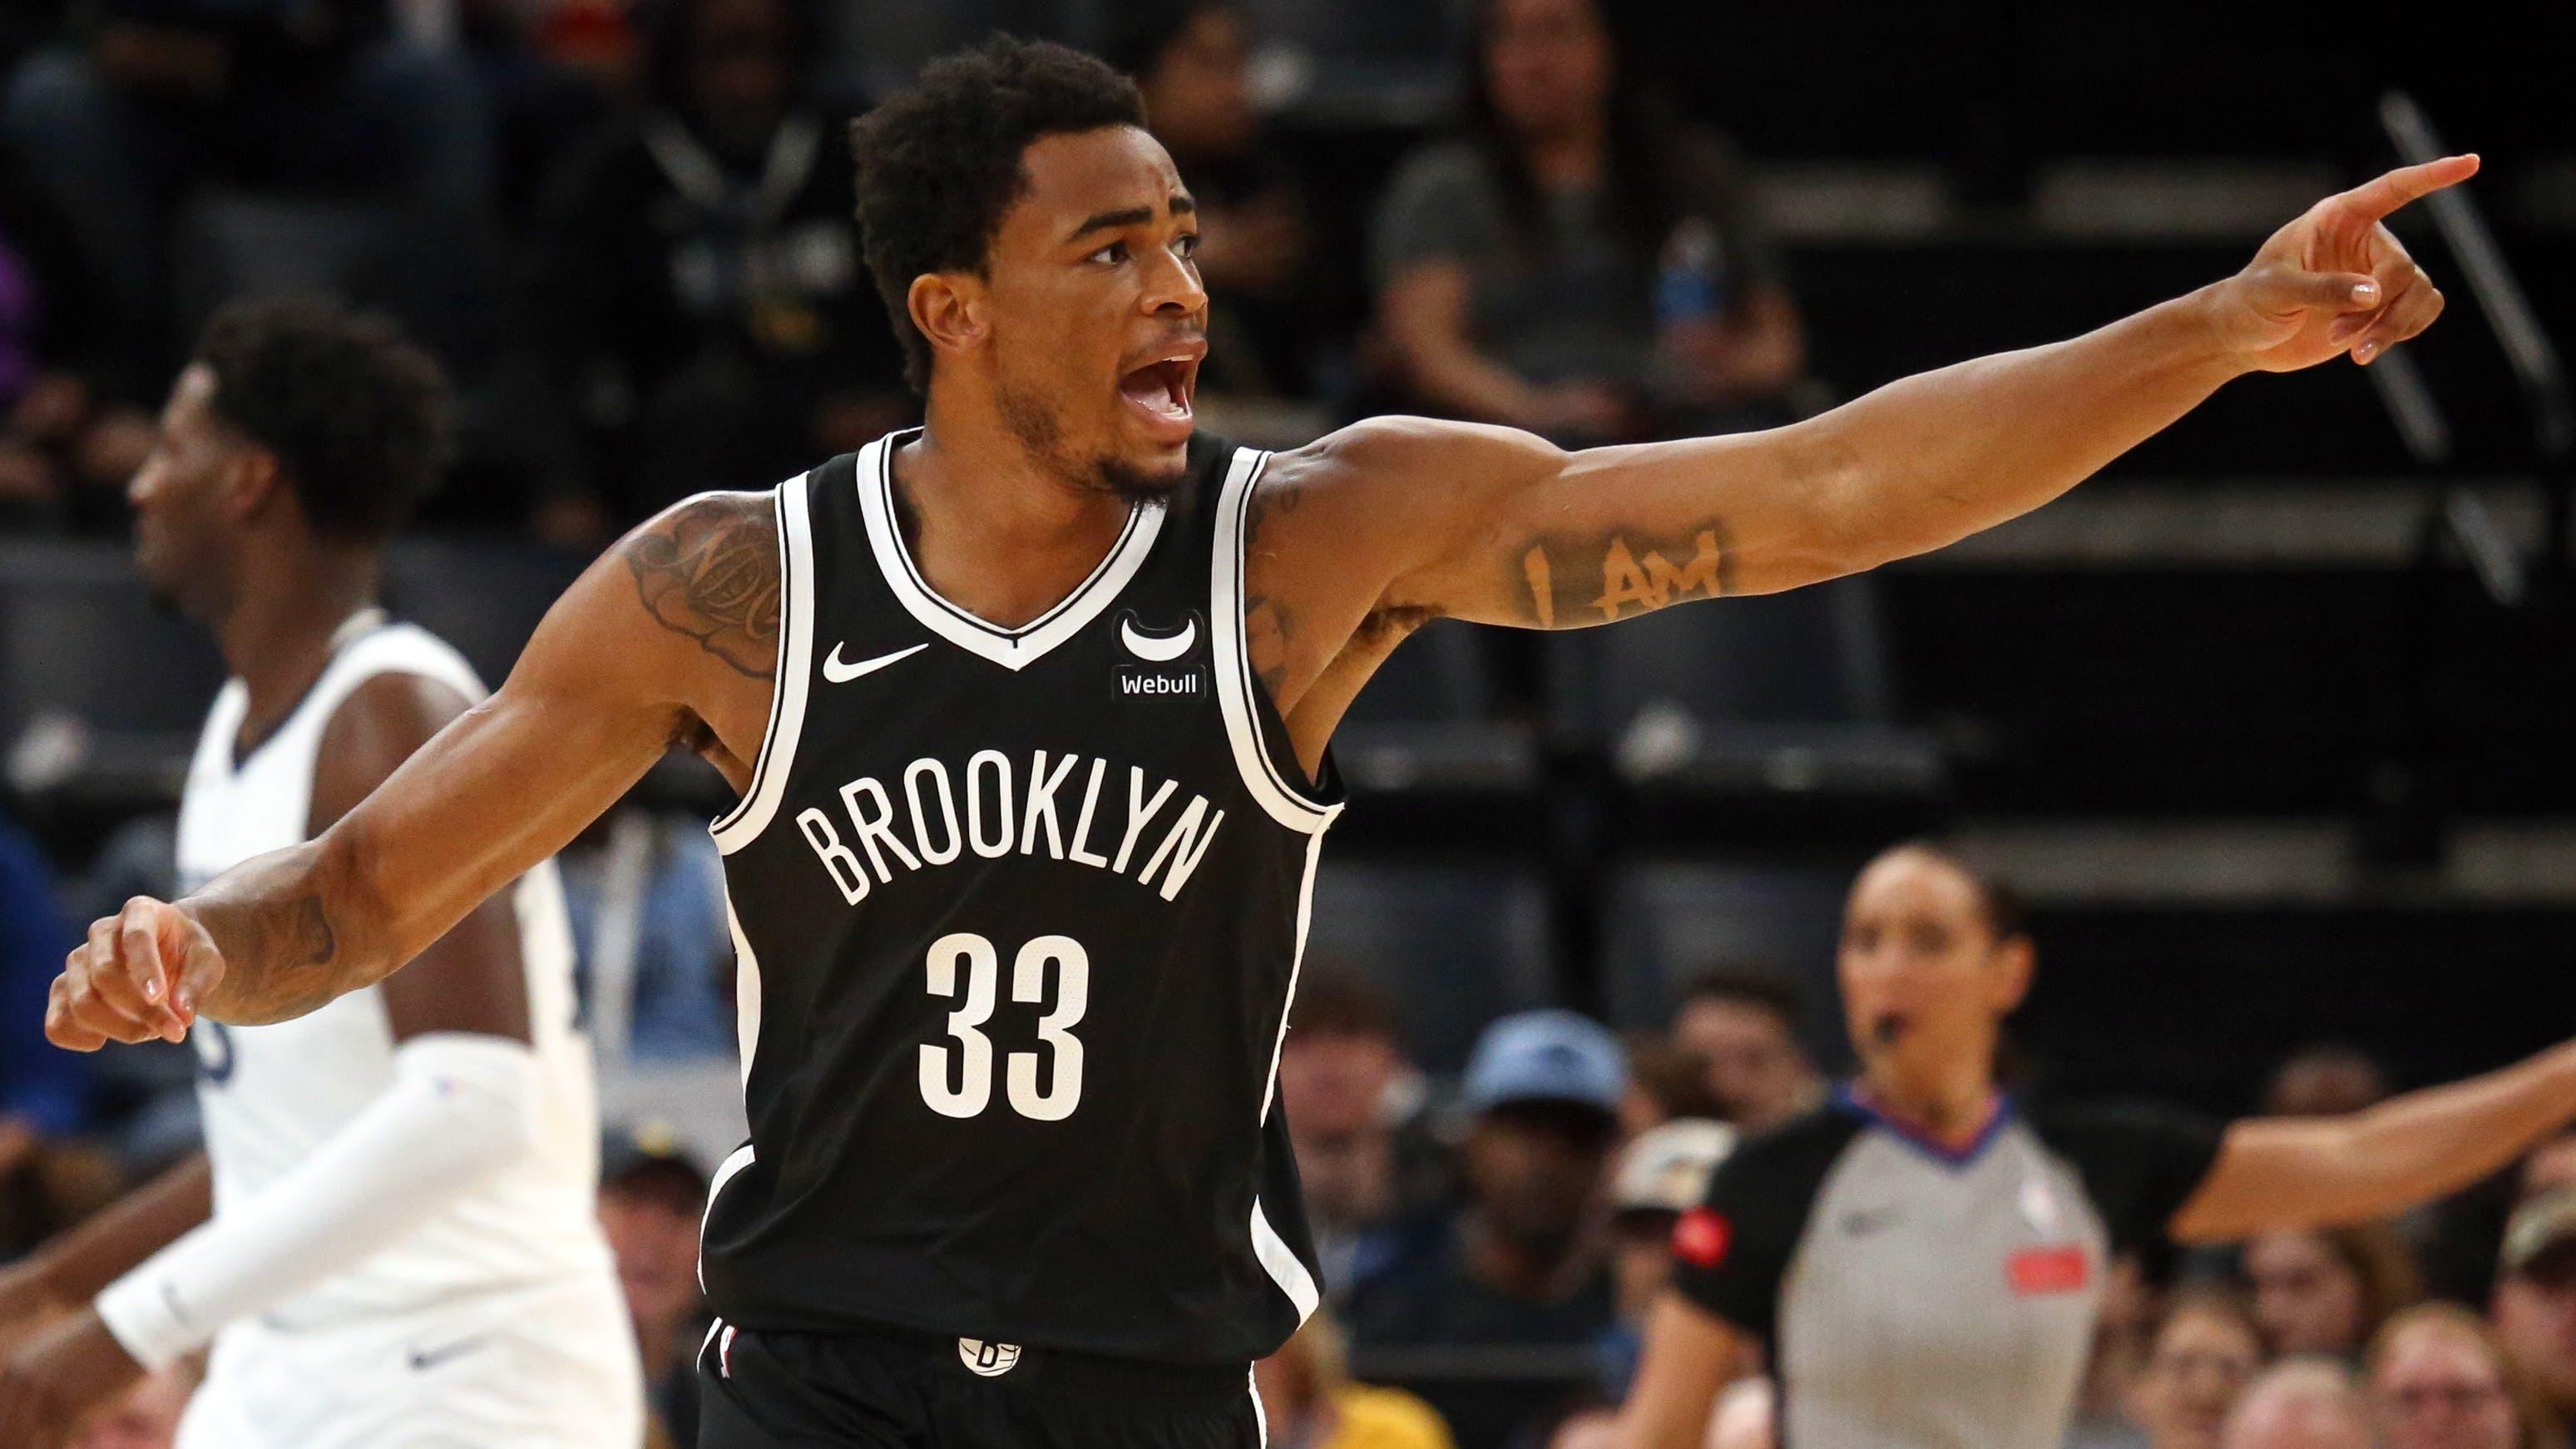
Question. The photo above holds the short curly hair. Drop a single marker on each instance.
(356, 415)
(939, 163)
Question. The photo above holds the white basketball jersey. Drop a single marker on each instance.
(274, 1094)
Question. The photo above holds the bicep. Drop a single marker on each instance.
(510, 781)
(1501, 527)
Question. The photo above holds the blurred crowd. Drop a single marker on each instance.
(626, 227)
(1491, 1238)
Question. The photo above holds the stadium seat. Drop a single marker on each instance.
(1668, 921)
(114, 686)
(1454, 945)
(1427, 721)
(1777, 695)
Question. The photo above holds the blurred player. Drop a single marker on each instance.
(1925, 1261)
(1028, 710)
(402, 1248)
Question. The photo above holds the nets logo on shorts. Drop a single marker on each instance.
(987, 1360)
(1701, 1238)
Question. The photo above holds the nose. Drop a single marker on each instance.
(1172, 287)
(138, 489)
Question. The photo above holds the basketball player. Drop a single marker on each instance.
(1028, 711)
(402, 1249)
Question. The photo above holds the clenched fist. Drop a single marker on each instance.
(140, 975)
(2335, 280)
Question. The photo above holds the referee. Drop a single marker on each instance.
(1924, 1260)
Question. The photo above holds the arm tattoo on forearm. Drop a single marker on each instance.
(281, 959)
(1573, 582)
(710, 571)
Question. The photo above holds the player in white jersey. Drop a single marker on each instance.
(402, 1248)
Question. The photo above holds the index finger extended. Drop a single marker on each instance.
(2390, 190)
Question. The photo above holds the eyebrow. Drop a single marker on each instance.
(1180, 203)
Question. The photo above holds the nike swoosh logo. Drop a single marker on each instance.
(837, 672)
(430, 1359)
(1157, 651)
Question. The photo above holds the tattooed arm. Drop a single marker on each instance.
(1360, 536)
(670, 638)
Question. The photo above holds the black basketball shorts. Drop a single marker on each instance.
(897, 1390)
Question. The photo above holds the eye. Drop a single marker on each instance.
(1187, 245)
(1111, 255)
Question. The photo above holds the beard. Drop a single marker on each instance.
(1034, 425)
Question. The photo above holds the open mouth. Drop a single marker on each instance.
(1161, 391)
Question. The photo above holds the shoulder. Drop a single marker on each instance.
(708, 567)
(1399, 452)
(2115, 1130)
(1788, 1161)
(377, 725)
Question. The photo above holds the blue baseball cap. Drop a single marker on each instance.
(1545, 1056)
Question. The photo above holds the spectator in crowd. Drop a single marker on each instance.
(1371, 1173)
(1582, 263)
(646, 896)
(2442, 1381)
(1308, 1400)
(2302, 1404)
(650, 1198)
(149, 1416)
(1662, 1173)
(2551, 1165)
(2123, 1337)
(1667, 1082)
(2205, 1349)
(44, 1094)
(70, 434)
(1748, 1027)
(309, 97)
(2324, 1081)
(1192, 59)
(1524, 1261)
(2535, 1298)
(694, 306)
(2326, 1292)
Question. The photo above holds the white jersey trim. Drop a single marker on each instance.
(1280, 1262)
(1236, 696)
(746, 991)
(1013, 649)
(740, 1158)
(759, 803)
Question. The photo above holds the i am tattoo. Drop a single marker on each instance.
(1604, 580)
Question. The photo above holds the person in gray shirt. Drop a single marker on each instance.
(1580, 263)
(1925, 1260)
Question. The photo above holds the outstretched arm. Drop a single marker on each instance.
(679, 618)
(1533, 536)
(2298, 1172)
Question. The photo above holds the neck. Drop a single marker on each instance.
(1575, 155)
(1950, 1105)
(1517, 1266)
(994, 530)
(276, 637)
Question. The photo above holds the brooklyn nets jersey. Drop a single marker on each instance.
(1018, 915)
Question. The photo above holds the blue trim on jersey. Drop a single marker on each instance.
(1846, 1096)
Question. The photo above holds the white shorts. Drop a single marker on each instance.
(543, 1368)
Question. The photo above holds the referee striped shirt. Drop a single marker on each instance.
(1920, 1297)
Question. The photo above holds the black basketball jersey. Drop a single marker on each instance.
(1018, 915)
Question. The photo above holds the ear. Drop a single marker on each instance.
(948, 307)
(2015, 960)
(253, 482)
